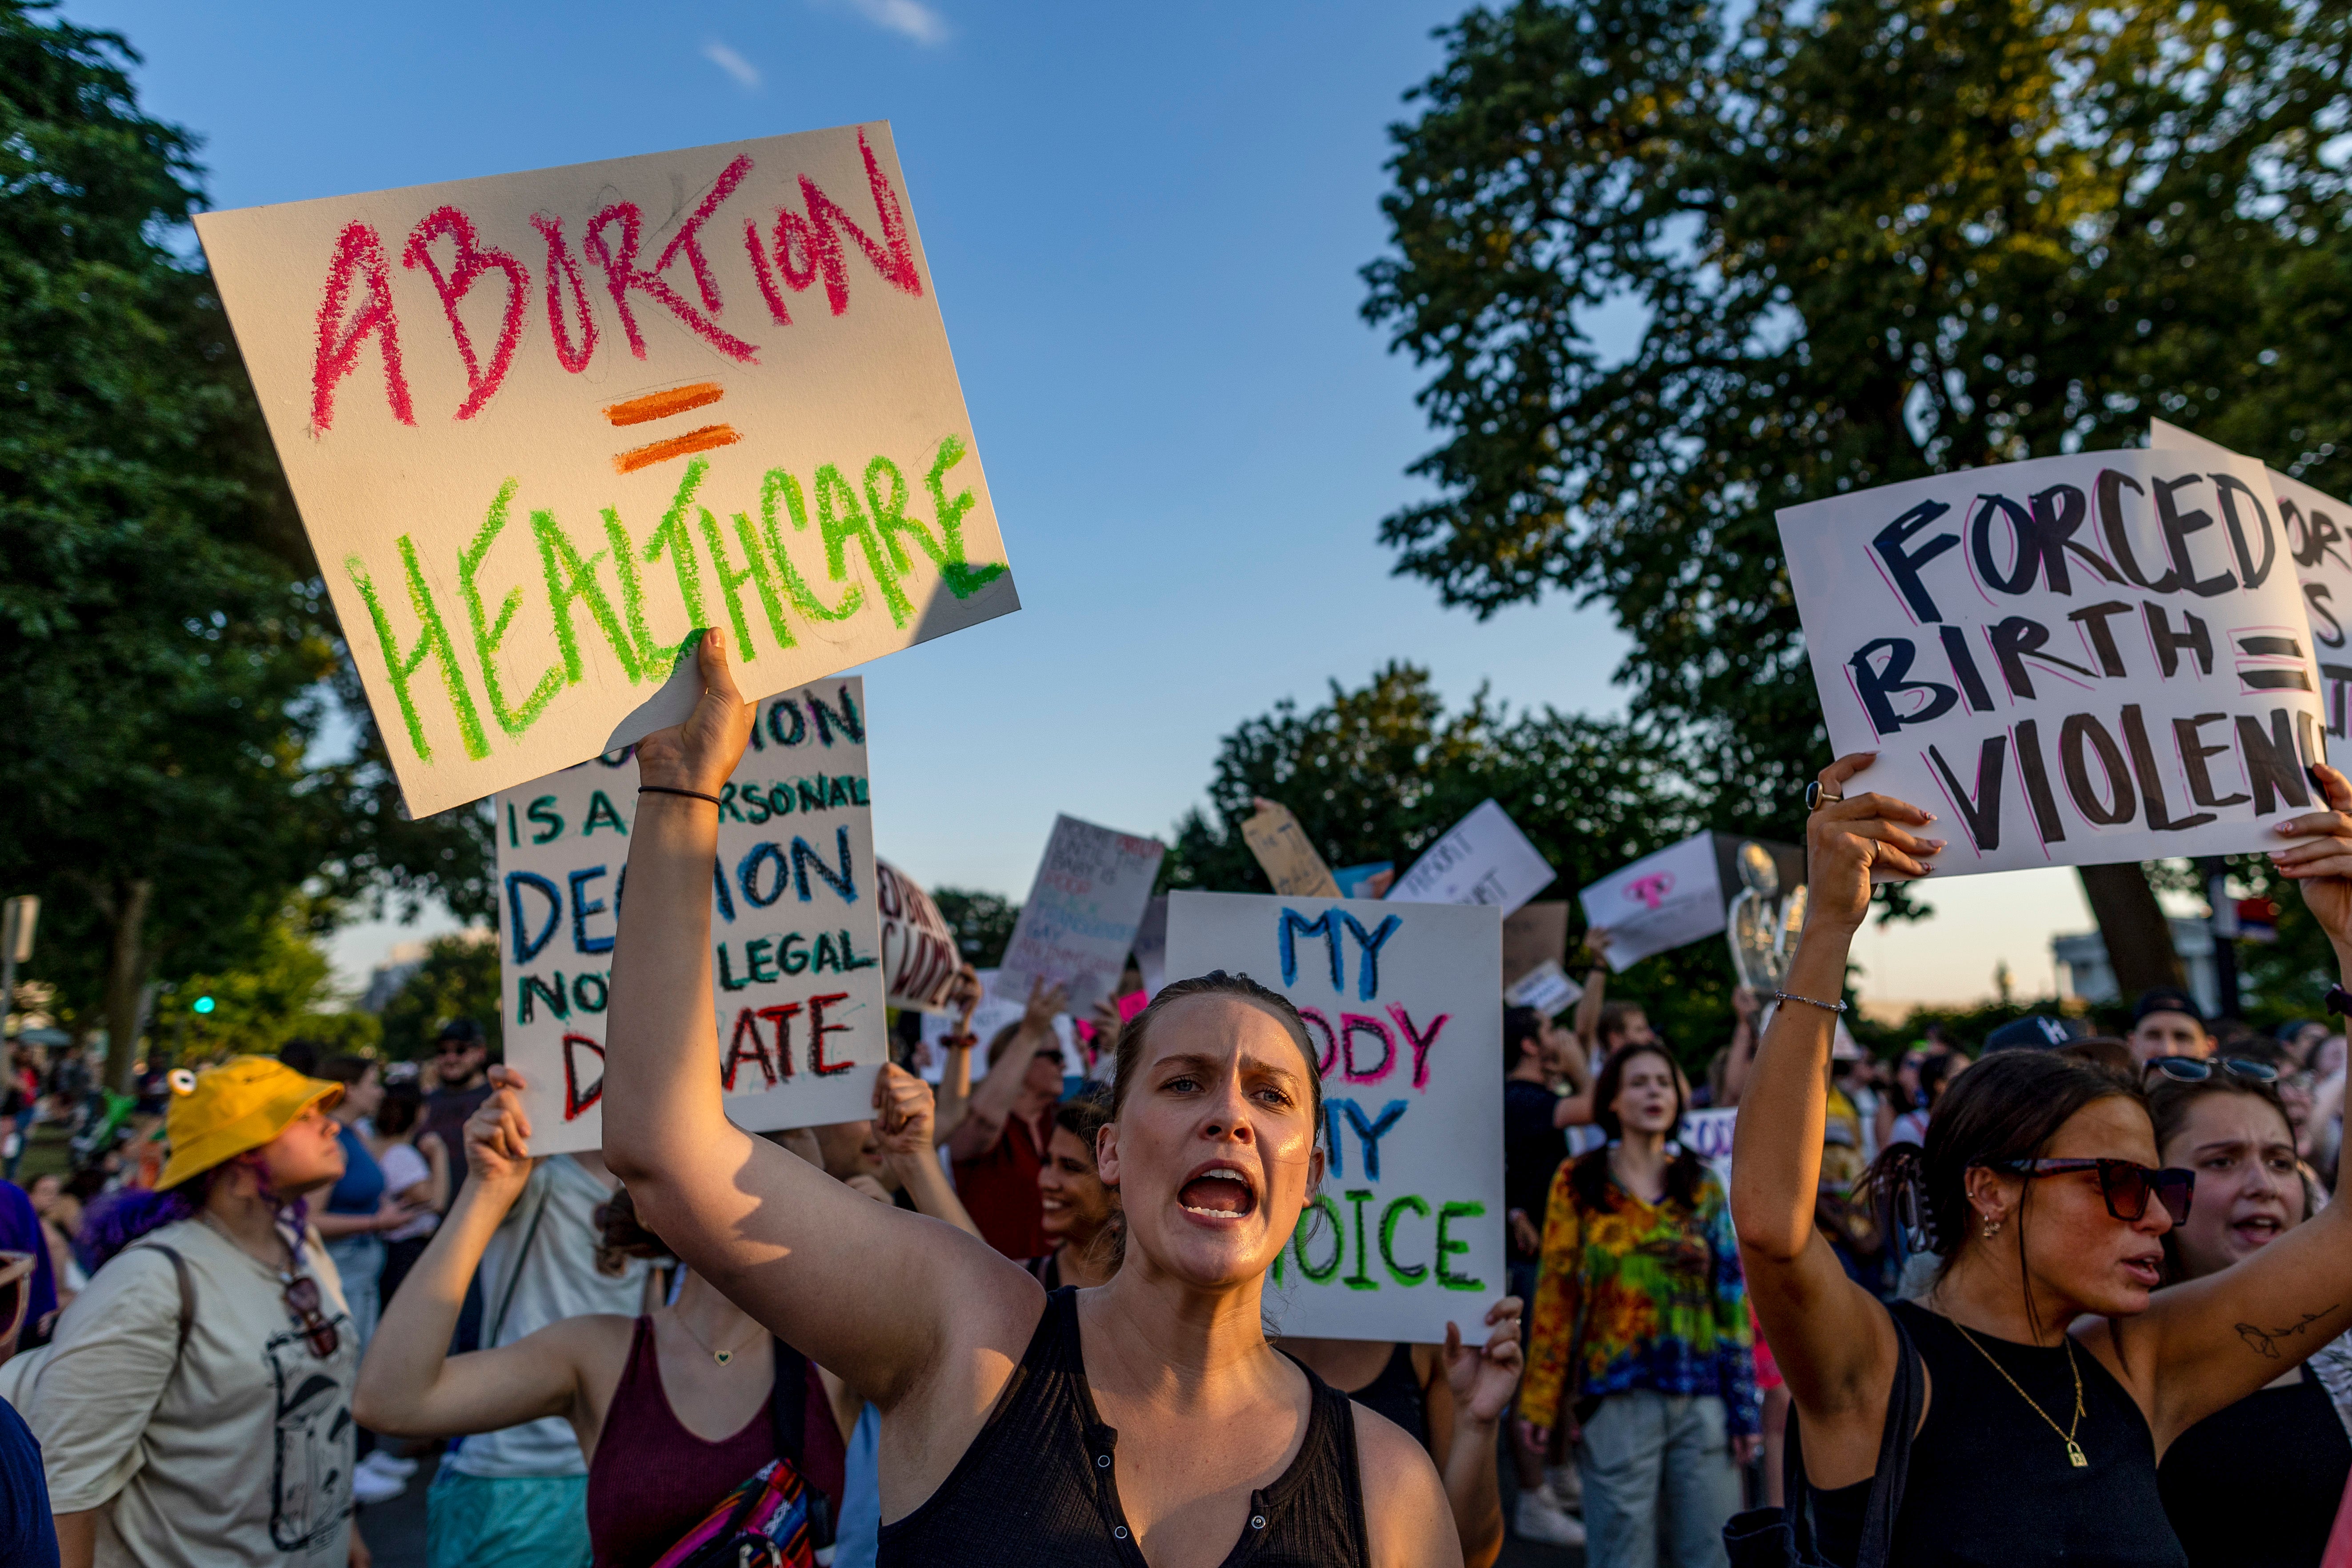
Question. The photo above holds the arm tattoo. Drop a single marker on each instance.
(2264, 1342)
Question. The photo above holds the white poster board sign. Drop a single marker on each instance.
(1547, 988)
(796, 980)
(2069, 661)
(1482, 859)
(1708, 1134)
(1151, 945)
(1407, 1231)
(1659, 902)
(1079, 921)
(994, 1012)
(2318, 530)
(919, 959)
(541, 426)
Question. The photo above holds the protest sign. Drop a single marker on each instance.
(541, 426)
(2069, 661)
(1708, 1134)
(919, 959)
(994, 1012)
(1079, 921)
(1285, 855)
(1401, 1001)
(1482, 859)
(1534, 934)
(1547, 988)
(1364, 881)
(2315, 525)
(796, 984)
(1151, 945)
(1658, 902)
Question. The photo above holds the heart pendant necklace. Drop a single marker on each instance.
(722, 1357)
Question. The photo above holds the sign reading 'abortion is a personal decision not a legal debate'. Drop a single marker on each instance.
(541, 426)
(2071, 662)
(797, 967)
(1402, 1006)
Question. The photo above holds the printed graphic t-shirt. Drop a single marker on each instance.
(237, 1449)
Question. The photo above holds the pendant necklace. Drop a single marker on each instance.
(2073, 1449)
(722, 1357)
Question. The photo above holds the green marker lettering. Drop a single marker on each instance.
(840, 520)
(962, 581)
(670, 534)
(776, 485)
(568, 578)
(602, 812)
(1322, 1204)
(1361, 1280)
(1388, 1217)
(513, 720)
(432, 639)
(1447, 1247)
(755, 571)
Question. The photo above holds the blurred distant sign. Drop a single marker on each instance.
(23, 912)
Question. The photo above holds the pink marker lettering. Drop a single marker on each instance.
(621, 274)
(358, 249)
(473, 259)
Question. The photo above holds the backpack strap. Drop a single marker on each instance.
(788, 1419)
(187, 1295)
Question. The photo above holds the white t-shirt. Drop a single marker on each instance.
(236, 1450)
(403, 1167)
(539, 1272)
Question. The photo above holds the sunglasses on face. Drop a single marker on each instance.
(2197, 1069)
(2124, 1183)
(302, 1300)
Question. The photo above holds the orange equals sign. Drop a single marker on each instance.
(664, 405)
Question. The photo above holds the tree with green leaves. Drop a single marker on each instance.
(458, 978)
(1864, 241)
(983, 923)
(165, 642)
(1380, 771)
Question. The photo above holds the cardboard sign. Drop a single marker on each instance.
(541, 426)
(1535, 934)
(797, 978)
(1547, 988)
(1407, 1231)
(2318, 530)
(994, 1012)
(1659, 902)
(1285, 854)
(1482, 859)
(920, 958)
(1079, 921)
(2069, 661)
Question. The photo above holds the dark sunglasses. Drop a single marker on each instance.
(2197, 1069)
(302, 1300)
(2124, 1183)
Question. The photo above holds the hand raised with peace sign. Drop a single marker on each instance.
(1849, 838)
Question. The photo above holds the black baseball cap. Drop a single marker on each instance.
(2039, 1033)
(2166, 999)
(465, 1031)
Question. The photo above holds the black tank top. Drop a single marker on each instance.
(1991, 1484)
(2257, 1485)
(1397, 1394)
(1038, 1489)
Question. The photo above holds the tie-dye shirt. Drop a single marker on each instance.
(1665, 1306)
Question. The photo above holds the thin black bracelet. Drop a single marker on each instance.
(664, 789)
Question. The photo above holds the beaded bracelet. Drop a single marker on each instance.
(1824, 1007)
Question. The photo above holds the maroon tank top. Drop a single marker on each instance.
(652, 1480)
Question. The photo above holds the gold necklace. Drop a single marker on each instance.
(722, 1357)
(2073, 1449)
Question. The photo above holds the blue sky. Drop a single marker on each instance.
(1144, 224)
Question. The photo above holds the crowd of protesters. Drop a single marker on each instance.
(1955, 1307)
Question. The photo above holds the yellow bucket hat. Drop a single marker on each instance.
(221, 1111)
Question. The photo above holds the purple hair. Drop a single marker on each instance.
(116, 1220)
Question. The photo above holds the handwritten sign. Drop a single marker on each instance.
(996, 1010)
(1708, 1134)
(919, 947)
(1151, 945)
(2318, 529)
(541, 426)
(1407, 1232)
(1079, 921)
(2073, 660)
(1659, 902)
(1285, 855)
(796, 981)
(1547, 988)
(1482, 859)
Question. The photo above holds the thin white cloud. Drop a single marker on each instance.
(909, 18)
(745, 73)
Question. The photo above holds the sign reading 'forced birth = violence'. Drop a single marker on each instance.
(797, 975)
(2069, 661)
(1403, 1013)
(542, 426)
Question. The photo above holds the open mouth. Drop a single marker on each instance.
(2147, 1271)
(1218, 1195)
(2257, 1230)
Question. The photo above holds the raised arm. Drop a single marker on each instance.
(409, 1385)
(882, 1298)
(1464, 1406)
(992, 1102)
(955, 1073)
(1596, 988)
(902, 1121)
(2216, 1339)
(1742, 1059)
(1834, 1342)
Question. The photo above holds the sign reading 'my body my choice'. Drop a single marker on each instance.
(796, 980)
(2069, 661)
(1402, 1003)
(541, 426)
